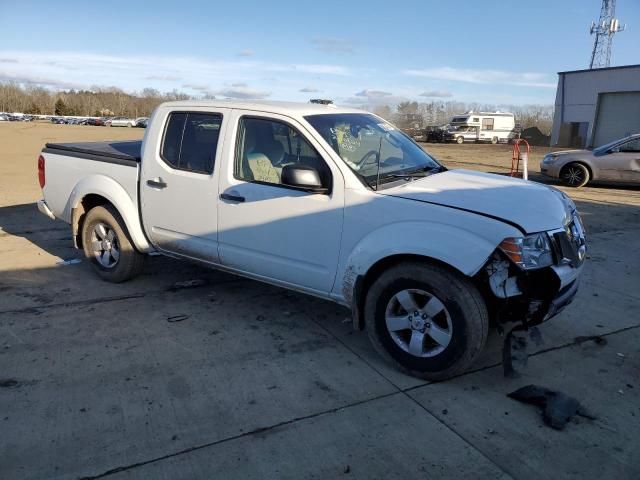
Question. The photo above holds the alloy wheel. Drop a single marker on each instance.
(105, 245)
(418, 322)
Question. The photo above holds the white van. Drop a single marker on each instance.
(494, 127)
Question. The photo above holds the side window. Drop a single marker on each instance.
(487, 123)
(264, 147)
(191, 140)
(632, 146)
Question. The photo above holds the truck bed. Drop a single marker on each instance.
(120, 152)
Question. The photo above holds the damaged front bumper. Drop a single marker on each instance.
(530, 297)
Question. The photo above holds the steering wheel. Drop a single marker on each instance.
(365, 159)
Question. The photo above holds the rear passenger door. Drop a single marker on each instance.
(178, 184)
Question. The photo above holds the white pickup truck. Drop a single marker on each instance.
(329, 201)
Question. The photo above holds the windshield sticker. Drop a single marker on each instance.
(387, 127)
(344, 139)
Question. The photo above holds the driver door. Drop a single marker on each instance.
(270, 230)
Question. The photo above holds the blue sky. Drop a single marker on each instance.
(368, 52)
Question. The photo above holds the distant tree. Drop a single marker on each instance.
(383, 111)
(407, 107)
(60, 107)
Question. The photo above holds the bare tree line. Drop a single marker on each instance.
(440, 113)
(99, 101)
(95, 102)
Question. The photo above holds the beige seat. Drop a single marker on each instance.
(262, 169)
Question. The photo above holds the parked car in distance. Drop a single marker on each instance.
(141, 122)
(3, 118)
(461, 134)
(330, 201)
(435, 133)
(122, 122)
(96, 122)
(617, 161)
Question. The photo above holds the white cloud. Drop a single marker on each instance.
(436, 94)
(333, 45)
(167, 78)
(198, 88)
(242, 93)
(525, 79)
(373, 93)
(246, 53)
(132, 72)
(308, 90)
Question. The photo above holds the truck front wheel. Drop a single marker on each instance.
(429, 321)
(108, 247)
(460, 139)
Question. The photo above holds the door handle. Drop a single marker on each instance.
(157, 183)
(232, 198)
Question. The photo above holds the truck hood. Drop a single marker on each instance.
(531, 206)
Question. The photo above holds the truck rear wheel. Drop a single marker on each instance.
(429, 321)
(494, 140)
(108, 246)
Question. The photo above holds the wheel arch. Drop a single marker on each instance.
(446, 245)
(99, 190)
(363, 282)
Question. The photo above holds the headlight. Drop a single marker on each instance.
(548, 159)
(530, 252)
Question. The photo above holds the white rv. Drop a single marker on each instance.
(494, 127)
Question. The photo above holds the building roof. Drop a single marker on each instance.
(599, 69)
(284, 108)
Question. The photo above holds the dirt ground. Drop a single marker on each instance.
(235, 379)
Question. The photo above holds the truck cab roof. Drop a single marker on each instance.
(283, 108)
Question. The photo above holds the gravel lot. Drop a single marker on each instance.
(258, 382)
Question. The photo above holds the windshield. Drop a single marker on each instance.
(371, 147)
(607, 146)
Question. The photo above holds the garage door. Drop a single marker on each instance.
(618, 116)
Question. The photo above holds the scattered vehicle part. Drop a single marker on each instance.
(597, 339)
(329, 201)
(557, 407)
(186, 284)
(71, 261)
(177, 318)
(514, 351)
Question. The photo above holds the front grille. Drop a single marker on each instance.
(570, 244)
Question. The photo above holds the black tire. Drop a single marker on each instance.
(460, 140)
(575, 175)
(494, 141)
(129, 263)
(465, 309)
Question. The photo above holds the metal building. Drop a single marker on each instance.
(594, 107)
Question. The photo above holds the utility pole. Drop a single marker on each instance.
(604, 30)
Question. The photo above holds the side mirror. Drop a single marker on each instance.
(303, 177)
(614, 150)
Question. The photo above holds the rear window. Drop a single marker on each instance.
(191, 140)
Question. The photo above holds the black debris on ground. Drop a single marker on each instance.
(8, 383)
(177, 318)
(597, 339)
(557, 407)
(186, 284)
(514, 352)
